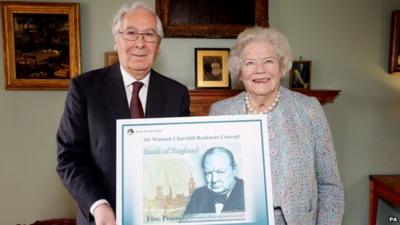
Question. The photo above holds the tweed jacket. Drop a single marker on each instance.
(305, 178)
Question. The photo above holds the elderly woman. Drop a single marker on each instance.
(306, 185)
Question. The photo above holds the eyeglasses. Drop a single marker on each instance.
(131, 35)
(269, 61)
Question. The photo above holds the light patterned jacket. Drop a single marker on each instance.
(305, 178)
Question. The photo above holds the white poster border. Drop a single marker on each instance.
(147, 148)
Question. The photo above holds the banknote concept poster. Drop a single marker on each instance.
(194, 170)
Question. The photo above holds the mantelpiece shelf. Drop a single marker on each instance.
(324, 96)
(201, 99)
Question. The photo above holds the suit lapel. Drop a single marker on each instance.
(155, 97)
(114, 93)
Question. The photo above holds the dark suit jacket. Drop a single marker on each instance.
(203, 200)
(86, 136)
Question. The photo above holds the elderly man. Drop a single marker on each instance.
(223, 191)
(131, 89)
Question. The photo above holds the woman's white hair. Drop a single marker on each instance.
(278, 41)
(125, 8)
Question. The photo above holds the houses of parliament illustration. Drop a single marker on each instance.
(171, 204)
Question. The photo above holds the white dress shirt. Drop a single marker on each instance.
(128, 80)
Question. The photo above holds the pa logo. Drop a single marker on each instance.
(393, 219)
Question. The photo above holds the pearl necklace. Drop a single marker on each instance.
(250, 109)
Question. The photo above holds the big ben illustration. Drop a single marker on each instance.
(191, 185)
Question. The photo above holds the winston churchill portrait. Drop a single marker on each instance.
(223, 191)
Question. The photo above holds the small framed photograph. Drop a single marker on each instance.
(211, 68)
(110, 57)
(394, 51)
(41, 44)
(300, 75)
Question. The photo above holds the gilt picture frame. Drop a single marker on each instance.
(210, 19)
(41, 44)
(394, 51)
(211, 68)
(110, 58)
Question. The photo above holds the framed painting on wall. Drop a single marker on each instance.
(394, 51)
(110, 57)
(300, 75)
(211, 68)
(209, 18)
(41, 44)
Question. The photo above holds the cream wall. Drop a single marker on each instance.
(347, 40)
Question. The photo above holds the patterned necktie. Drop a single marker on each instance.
(136, 106)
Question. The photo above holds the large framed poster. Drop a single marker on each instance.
(194, 170)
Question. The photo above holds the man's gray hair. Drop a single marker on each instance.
(278, 41)
(125, 8)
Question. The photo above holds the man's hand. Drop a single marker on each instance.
(104, 215)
